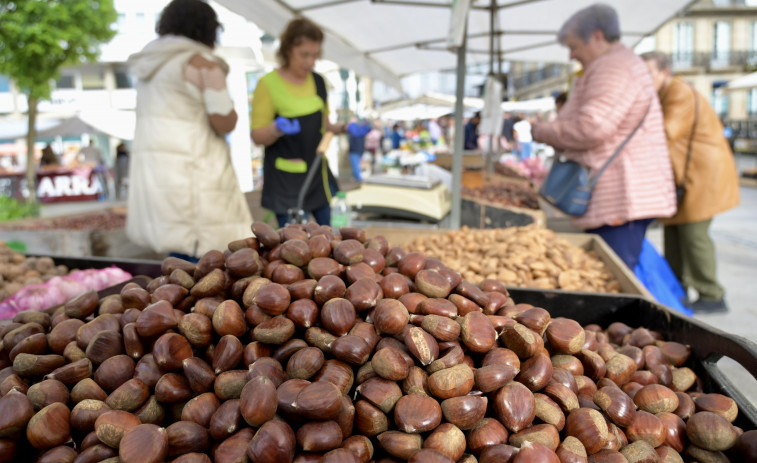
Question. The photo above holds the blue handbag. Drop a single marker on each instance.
(568, 185)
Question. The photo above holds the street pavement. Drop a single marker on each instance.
(735, 235)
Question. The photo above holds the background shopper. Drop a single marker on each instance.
(612, 97)
(356, 134)
(704, 166)
(524, 141)
(184, 197)
(470, 141)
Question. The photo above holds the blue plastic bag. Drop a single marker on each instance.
(656, 275)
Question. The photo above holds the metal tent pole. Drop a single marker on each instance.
(490, 149)
(457, 157)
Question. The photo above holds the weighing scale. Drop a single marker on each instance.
(404, 196)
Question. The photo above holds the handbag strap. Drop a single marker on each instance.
(691, 136)
(594, 179)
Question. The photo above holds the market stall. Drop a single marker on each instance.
(427, 106)
(268, 353)
(385, 40)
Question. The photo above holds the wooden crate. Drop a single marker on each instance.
(629, 284)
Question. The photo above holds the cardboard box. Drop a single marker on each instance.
(629, 284)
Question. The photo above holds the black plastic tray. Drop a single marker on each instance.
(708, 344)
(149, 268)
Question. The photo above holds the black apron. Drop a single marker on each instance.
(282, 180)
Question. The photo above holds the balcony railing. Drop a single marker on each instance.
(537, 75)
(714, 61)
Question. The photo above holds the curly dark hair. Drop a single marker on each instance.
(193, 19)
(296, 31)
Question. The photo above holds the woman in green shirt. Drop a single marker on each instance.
(289, 117)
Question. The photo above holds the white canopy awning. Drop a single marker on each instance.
(432, 105)
(388, 39)
(11, 129)
(119, 124)
(428, 106)
(535, 105)
(746, 82)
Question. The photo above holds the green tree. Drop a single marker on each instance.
(40, 37)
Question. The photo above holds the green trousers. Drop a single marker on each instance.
(691, 254)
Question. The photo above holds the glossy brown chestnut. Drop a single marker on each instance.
(144, 443)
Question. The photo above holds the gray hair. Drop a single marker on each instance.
(584, 22)
(661, 60)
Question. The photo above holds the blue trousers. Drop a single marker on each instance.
(526, 148)
(625, 240)
(355, 162)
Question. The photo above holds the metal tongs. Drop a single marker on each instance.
(298, 214)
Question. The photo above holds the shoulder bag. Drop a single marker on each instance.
(681, 189)
(568, 185)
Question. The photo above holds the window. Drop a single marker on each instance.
(92, 80)
(751, 105)
(5, 84)
(752, 57)
(683, 45)
(720, 98)
(142, 22)
(721, 48)
(123, 78)
(65, 81)
(121, 22)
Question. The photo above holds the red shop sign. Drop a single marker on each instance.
(77, 184)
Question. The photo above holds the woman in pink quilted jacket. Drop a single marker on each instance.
(613, 96)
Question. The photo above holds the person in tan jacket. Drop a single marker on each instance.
(703, 164)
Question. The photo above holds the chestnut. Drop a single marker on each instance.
(49, 427)
(144, 443)
(15, 412)
(274, 441)
(417, 413)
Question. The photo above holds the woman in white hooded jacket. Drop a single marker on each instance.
(184, 197)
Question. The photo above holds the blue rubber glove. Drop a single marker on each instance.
(358, 130)
(288, 126)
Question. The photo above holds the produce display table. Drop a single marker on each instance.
(708, 344)
(94, 233)
(498, 201)
(137, 267)
(451, 362)
(629, 284)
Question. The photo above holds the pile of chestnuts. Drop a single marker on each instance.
(309, 344)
